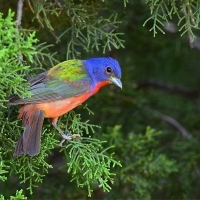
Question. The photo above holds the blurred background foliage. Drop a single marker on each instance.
(152, 124)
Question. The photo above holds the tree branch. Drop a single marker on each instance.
(150, 82)
(191, 39)
(186, 134)
(19, 20)
(19, 13)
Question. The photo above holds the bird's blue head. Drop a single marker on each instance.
(104, 70)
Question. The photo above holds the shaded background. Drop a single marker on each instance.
(153, 122)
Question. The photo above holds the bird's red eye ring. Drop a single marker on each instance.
(109, 70)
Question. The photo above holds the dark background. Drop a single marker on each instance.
(154, 119)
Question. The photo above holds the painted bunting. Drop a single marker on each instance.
(57, 91)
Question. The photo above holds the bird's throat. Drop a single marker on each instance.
(99, 85)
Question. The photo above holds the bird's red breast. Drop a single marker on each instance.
(60, 107)
(57, 108)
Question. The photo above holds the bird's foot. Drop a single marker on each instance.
(68, 137)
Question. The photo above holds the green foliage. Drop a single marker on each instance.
(187, 12)
(18, 196)
(143, 166)
(45, 9)
(32, 169)
(12, 45)
(89, 164)
(86, 159)
(43, 57)
(73, 122)
(83, 19)
(87, 30)
(3, 170)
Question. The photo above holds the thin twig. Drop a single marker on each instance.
(186, 134)
(196, 42)
(30, 6)
(191, 13)
(187, 22)
(55, 36)
(19, 20)
(19, 13)
(150, 82)
(187, 26)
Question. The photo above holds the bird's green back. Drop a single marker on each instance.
(69, 71)
(65, 80)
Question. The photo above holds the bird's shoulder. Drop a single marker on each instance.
(68, 71)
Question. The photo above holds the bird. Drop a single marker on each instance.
(56, 92)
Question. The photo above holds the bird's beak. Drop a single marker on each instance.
(116, 81)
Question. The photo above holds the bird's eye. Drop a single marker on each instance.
(109, 70)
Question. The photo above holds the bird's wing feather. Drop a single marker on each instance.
(65, 80)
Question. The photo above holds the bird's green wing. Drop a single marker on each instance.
(67, 79)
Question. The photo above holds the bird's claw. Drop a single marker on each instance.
(68, 137)
(76, 135)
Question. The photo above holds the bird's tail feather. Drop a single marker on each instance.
(29, 142)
